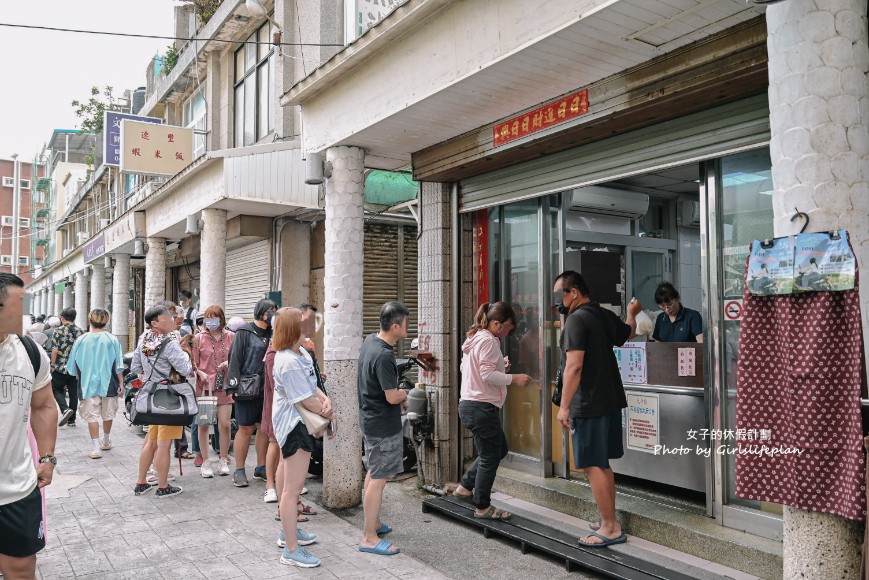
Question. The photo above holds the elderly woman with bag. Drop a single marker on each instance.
(211, 355)
(295, 387)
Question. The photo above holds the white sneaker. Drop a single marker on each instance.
(152, 477)
(223, 466)
(304, 491)
(270, 496)
(95, 454)
(106, 443)
(206, 471)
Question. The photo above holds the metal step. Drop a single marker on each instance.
(530, 534)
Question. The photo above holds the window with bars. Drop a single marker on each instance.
(254, 88)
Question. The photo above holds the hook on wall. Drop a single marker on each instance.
(804, 216)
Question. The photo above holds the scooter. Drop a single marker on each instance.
(414, 426)
(132, 385)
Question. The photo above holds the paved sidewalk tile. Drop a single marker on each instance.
(97, 528)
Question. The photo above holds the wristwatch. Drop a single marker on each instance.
(48, 459)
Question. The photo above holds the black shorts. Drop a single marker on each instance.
(249, 413)
(596, 440)
(22, 528)
(298, 440)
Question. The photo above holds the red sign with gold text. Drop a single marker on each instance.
(563, 109)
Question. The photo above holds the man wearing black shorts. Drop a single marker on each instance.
(22, 525)
(380, 402)
(593, 395)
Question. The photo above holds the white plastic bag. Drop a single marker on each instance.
(645, 324)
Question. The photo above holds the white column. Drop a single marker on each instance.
(819, 120)
(98, 286)
(47, 301)
(120, 299)
(57, 301)
(342, 469)
(81, 300)
(155, 272)
(68, 301)
(212, 259)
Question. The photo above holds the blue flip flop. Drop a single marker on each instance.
(606, 541)
(381, 549)
(384, 529)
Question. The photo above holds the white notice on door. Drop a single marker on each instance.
(686, 362)
(643, 432)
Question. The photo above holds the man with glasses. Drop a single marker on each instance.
(676, 323)
(593, 396)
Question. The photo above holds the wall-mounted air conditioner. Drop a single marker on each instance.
(8, 221)
(609, 201)
(82, 236)
(8, 182)
(689, 213)
(104, 223)
(6, 260)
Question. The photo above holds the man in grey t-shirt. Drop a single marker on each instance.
(380, 402)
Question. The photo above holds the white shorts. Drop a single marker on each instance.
(92, 408)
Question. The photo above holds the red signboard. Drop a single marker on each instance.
(541, 118)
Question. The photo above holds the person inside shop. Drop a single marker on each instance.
(676, 323)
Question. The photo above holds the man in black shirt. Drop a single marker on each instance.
(380, 402)
(593, 395)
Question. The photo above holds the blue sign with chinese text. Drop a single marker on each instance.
(112, 134)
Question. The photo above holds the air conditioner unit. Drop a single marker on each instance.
(689, 214)
(609, 201)
(8, 182)
(8, 221)
(6, 260)
(104, 223)
(82, 236)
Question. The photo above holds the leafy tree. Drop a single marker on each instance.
(91, 114)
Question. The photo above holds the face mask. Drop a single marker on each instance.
(562, 308)
(271, 321)
(212, 323)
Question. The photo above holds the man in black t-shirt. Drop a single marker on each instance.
(380, 402)
(593, 395)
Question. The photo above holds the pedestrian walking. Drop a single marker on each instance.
(380, 402)
(22, 522)
(246, 381)
(96, 361)
(188, 313)
(64, 384)
(295, 383)
(156, 355)
(484, 389)
(211, 349)
(592, 395)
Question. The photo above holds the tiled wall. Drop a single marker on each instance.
(687, 268)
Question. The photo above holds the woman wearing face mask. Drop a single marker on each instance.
(484, 389)
(245, 382)
(211, 355)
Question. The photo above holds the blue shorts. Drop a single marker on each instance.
(596, 440)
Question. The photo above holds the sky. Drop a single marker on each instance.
(50, 69)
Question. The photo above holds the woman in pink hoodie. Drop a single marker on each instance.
(484, 389)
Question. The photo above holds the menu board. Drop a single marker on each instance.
(632, 362)
(643, 423)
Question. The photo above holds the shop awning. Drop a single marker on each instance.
(389, 188)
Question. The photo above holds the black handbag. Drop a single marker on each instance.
(249, 387)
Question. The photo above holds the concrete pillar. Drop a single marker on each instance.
(98, 286)
(819, 119)
(81, 300)
(58, 302)
(68, 300)
(434, 325)
(47, 301)
(155, 272)
(212, 259)
(342, 468)
(120, 299)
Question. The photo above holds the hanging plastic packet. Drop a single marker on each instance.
(824, 262)
(770, 267)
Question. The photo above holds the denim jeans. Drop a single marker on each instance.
(483, 420)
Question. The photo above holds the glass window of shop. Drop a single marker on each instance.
(746, 189)
(254, 92)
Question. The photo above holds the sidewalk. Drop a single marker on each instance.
(97, 528)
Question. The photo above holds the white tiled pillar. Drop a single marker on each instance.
(342, 468)
(68, 300)
(120, 299)
(43, 301)
(819, 120)
(81, 300)
(155, 272)
(212, 259)
(98, 286)
(47, 301)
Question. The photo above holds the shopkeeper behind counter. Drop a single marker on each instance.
(676, 323)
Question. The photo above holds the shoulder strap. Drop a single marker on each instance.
(154, 364)
(32, 353)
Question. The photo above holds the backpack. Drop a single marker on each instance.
(32, 353)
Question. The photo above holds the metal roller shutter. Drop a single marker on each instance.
(710, 133)
(247, 278)
(390, 273)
